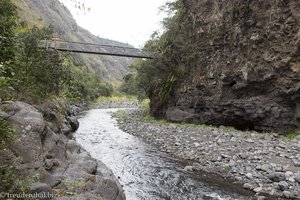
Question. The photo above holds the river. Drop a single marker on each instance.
(144, 172)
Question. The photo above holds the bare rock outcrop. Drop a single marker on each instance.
(247, 73)
(61, 164)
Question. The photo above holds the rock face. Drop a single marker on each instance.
(247, 73)
(61, 164)
(54, 13)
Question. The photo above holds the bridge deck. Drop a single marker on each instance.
(90, 48)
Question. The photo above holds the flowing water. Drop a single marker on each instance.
(144, 172)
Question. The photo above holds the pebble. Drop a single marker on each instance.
(196, 144)
(283, 185)
(189, 168)
(297, 177)
(296, 163)
(289, 176)
(265, 167)
(288, 194)
(249, 175)
(276, 176)
(263, 163)
(177, 144)
(248, 186)
(28, 128)
(258, 189)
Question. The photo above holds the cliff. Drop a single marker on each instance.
(54, 13)
(245, 67)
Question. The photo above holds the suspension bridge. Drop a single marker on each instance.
(91, 48)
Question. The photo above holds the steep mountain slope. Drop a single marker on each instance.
(54, 13)
(243, 70)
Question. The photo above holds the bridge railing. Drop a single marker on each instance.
(104, 49)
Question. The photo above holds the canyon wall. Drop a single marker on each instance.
(247, 70)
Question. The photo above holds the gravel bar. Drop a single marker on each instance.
(261, 162)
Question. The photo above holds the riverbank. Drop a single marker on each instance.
(263, 163)
(43, 158)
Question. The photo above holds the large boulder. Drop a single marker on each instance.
(61, 164)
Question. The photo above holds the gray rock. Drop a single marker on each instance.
(265, 167)
(107, 185)
(249, 175)
(189, 168)
(288, 194)
(244, 155)
(47, 152)
(74, 123)
(248, 186)
(289, 176)
(232, 163)
(296, 162)
(4, 115)
(177, 115)
(258, 189)
(261, 198)
(297, 177)
(172, 126)
(177, 144)
(276, 176)
(43, 191)
(283, 185)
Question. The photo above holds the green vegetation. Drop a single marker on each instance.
(85, 85)
(145, 104)
(137, 83)
(116, 97)
(174, 50)
(120, 115)
(226, 168)
(72, 186)
(291, 135)
(150, 119)
(7, 30)
(33, 74)
(10, 182)
(146, 117)
(6, 133)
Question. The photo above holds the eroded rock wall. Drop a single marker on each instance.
(247, 74)
(44, 145)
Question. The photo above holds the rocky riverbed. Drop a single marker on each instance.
(264, 163)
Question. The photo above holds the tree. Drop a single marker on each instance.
(7, 30)
(174, 50)
(38, 71)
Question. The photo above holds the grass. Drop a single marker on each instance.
(71, 188)
(292, 135)
(116, 98)
(7, 133)
(120, 115)
(148, 118)
(145, 104)
(226, 168)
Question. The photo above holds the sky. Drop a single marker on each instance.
(128, 21)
